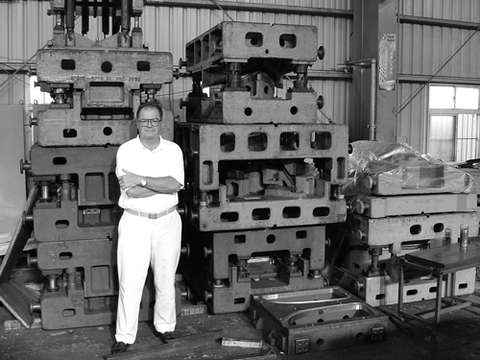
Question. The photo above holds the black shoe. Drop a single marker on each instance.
(119, 347)
(165, 336)
(168, 335)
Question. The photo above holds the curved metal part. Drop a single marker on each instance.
(308, 296)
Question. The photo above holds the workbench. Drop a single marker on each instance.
(439, 261)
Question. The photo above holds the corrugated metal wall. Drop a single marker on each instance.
(423, 50)
(411, 122)
(463, 10)
(433, 53)
(26, 27)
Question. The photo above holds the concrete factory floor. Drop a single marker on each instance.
(458, 337)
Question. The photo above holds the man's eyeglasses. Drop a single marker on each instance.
(154, 121)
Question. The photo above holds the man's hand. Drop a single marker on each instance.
(129, 179)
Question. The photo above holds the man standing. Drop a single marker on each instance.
(150, 172)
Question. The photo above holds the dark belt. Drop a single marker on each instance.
(151, 215)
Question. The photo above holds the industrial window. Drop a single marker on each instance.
(453, 129)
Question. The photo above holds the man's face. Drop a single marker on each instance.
(150, 131)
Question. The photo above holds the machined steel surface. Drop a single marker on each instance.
(400, 229)
(296, 328)
(378, 206)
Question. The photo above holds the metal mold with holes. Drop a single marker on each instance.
(251, 59)
(238, 42)
(242, 263)
(86, 206)
(383, 289)
(316, 320)
(410, 228)
(96, 91)
(258, 176)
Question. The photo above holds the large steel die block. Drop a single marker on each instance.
(240, 107)
(207, 146)
(95, 259)
(230, 266)
(400, 229)
(71, 309)
(130, 68)
(92, 169)
(239, 41)
(316, 320)
(237, 297)
(243, 244)
(267, 213)
(64, 126)
(68, 222)
(383, 289)
(383, 206)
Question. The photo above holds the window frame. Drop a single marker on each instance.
(455, 112)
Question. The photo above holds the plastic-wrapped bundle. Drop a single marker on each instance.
(382, 168)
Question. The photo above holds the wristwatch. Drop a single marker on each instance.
(143, 182)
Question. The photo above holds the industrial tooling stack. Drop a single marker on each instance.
(402, 201)
(96, 88)
(264, 178)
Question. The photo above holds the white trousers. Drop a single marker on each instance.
(143, 242)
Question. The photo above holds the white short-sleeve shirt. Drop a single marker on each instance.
(165, 160)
